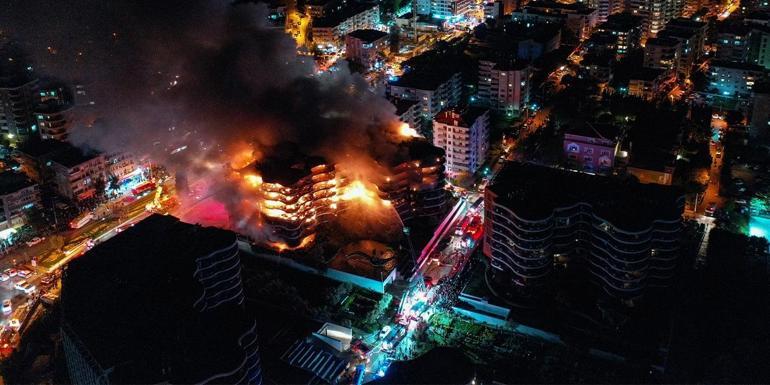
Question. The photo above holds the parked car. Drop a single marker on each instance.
(47, 279)
(25, 286)
(34, 241)
(14, 324)
(11, 272)
(4, 277)
(7, 307)
(24, 273)
(711, 209)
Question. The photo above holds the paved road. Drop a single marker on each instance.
(450, 259)
(712, 190)
(24, 254)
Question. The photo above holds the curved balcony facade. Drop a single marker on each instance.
(522, 243)
(298, 193)
(293, 211)
(416, 187)
(219, 273)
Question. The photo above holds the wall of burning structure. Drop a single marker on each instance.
(415, 185)
(297, 193)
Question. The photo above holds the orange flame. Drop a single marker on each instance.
(406, 131)
(358, 191)
(281, 246)
(253, 180)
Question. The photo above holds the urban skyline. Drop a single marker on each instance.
(385, 192)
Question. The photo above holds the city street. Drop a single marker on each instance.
(447, 255)
(711, 195)
(43, 261)
(459, 242)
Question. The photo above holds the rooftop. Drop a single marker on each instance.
(428, 71)
(287, 164)
(464, 118)
(647, 74)
(367, 258)
(652, 158)
(683, 22)
(622, 22)
(73, 156)
(597, 59)
(336, 18)
(534, 191)
(575, 7)
(540, 32)
(130, 302)
(593, 130)
(738, 66)
(678, 34)
(320, 360)
(734, 28)
(511, 65)
(39, 148)
(11, 182)
(601, 39)
(368, 35)
(758, 16)
(662, 42)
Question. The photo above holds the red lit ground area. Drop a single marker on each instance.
(207, 212)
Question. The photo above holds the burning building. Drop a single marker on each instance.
(297, 192)
(415, 185)
(222, 140)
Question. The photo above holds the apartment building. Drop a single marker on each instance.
(17, 193)
(622, 236)
(464, 136)
(77, 174)
(504, 86)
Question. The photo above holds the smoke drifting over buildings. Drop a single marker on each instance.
(202, 87)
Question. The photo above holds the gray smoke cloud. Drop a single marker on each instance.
(209, 77)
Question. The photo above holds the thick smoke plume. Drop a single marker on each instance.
(200, 86)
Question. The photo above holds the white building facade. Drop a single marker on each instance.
(464, 136)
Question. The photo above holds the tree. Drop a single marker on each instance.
(100, 185)
(36, 219)
(114, 182)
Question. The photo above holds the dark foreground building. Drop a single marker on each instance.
(441, 365)
(626, 235)
(161, 302)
